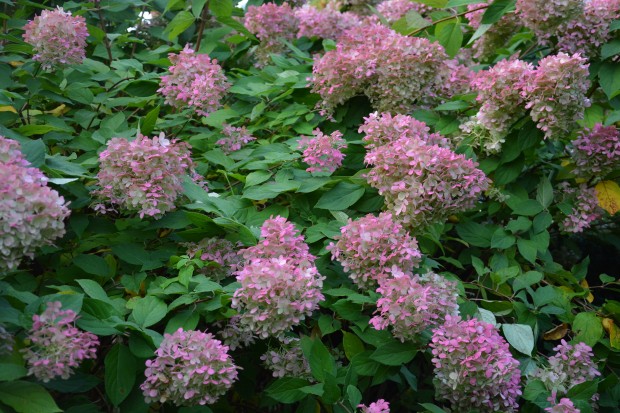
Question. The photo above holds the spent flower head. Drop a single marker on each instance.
(596, 151)
(474, 369)
(380, 406)
(58, 38)
(323, 153)
(57, 347)
(234, 138)
(191, 368)
(288, 360)
(369, 247)
(271, 24)
(195, 81)
(218, 251)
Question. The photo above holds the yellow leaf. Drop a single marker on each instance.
(58, 111)
(585, 285)
(15, 63)
(608, 194)
(557, 332)
(613, 331)
(7, 109)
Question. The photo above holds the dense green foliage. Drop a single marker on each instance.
(130, 280)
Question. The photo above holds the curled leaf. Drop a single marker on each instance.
(556, 333)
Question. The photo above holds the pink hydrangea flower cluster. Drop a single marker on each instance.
(412, 304)
(280, 285)
(144, 175)
(370, 246)
(568, 367)
(234, 336)
(424, 183)
(6, 341)
(234, 138)
(381, 129)
(191, 368)
(31, 213)
(596, 151)
(586, 33)
(499, 92)
(288, 360)
(544, 16)
(271, 24)
(57, 347)
(474, 368)
(393, 10)
(556, 93)
(380, 406)
(323, 152)
(326, 23)
(195, 81)
(58, 38)
(564, 406)
(215, 250)
(585, 208)
(393, 71)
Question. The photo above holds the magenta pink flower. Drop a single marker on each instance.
(424, 183)
(234, 138)
(143, 176)
(393, 10)
(474, 369)
(564, 406)
(394, 71)
(370, 246)
(57, 347)
(556, 93)
(381, 129)
(596, 151)
(280, 285)
(288, 360)
(58, 38)
(191, 368)
(31, 213)
(195, 81)
(587, 32)
(544, 16)
(568, 367)
(380, 406)
(581, 208)
(220, 256)
(323, 152)
(271, 24)
(411, 304)
(325, 23)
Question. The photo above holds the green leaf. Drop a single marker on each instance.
(93, 289)
(92, 264)
(610, 49)
(583, 391)
(438, 4)
(120, 373)
(11, 371)
(526, 207)
(221, 8)
(496, 10)
(527, 249)
(287, 390)
(181, 22)
(352, 345)
(340, 197)
(502, 239)
(457, 3)
(609, 75)
(149, 310)
(432, 408)
(475, 234)
(320, 360)
(34, 151)
(588, 327)
(27, 397)
(544, 192)
(394, 353)
(520, 337)
(410, 23)
(450, 36)
(148, 123)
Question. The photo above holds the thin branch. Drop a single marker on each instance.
(106, 41)
(416, 31)
(203, 22)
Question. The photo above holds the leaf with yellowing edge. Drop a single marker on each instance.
(613, 331)
(608, 194)
(58, 111)
(556, 333)
(7, 109)
(585, 285)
